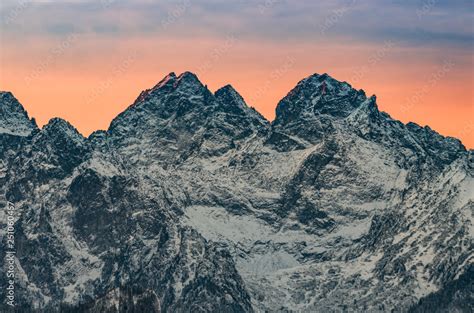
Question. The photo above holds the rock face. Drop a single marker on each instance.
(13, 118)
(192, 202)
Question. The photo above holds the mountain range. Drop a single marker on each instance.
(191, 201)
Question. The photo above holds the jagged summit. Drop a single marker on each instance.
(60, 125)
(324, 85)
(233, 110)
(172, 81)
(312, 101)
(227, 90)
(186, 94)
(318, 94)
(188, 77)
(184, 118)
(14, 119)
(186, 82)
(234, 102)
(230, 98)
(167, 80)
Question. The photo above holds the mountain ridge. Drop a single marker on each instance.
(192, 201)
(173, 78)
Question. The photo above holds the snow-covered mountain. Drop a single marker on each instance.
(192, 201)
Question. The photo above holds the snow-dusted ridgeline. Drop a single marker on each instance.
(192, 201)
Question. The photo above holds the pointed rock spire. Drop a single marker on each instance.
(14, 119)
(233, 103)
(228, 96)
(60, 138)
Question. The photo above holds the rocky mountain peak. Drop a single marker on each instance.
(233, 102)
(62, 135)
(172, 82)
(229, 94)
(185, 118)
(186, 83)
(14, 119)
(237, 115)
(316, 95)
(230, 99)
(60, 126)
(61, 146)
(323, 85)
(168, 80)
(188, 78)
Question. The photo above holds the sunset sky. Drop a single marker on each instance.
(86, 61)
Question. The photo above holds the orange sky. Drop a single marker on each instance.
(88, 79)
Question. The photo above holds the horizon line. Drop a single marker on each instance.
(213, 93)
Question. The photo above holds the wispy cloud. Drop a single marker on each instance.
(425, 22)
